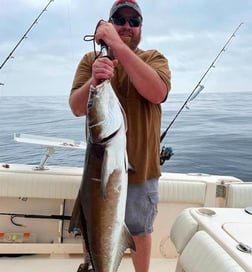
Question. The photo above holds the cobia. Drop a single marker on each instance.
(103, 191)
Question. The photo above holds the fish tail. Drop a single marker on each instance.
(128, 239)
(126, 242)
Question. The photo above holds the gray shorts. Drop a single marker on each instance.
(141, 207)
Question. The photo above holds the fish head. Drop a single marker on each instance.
(104, 116)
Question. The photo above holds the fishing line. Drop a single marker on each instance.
(25, 35)
(91, 37)
(167, 152)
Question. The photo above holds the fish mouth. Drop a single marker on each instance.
(104, 140)
(107, 139)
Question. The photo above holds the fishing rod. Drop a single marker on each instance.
(25, 35)
(198, 86)
(35, 216)
(166, 152)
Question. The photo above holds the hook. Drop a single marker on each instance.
(14, 223)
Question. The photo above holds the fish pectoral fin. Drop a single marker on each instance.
(127, 164)
(110, 173)
(130, 167)
(128, 239)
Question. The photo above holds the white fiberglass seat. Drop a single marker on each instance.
(202, 253)
(239, 195)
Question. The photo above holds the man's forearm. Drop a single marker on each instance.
(145, 79)
(78, 99)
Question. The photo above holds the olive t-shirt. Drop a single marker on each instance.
(143, 116)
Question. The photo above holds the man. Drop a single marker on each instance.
(141, 80)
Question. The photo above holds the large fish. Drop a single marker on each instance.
(103, 189)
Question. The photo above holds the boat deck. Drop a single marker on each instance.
(66, 263)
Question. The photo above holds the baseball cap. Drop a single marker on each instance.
(125, 3)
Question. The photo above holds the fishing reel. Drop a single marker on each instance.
(165, 154)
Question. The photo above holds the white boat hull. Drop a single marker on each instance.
(52, 191)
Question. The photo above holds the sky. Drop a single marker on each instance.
(190, 33)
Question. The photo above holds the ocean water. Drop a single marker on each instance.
(213, 136)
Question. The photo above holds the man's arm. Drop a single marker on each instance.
(145, 79)
(102, 68)
(78, 99)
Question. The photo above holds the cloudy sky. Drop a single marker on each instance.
(190, 33)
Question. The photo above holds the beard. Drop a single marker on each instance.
(130, 40)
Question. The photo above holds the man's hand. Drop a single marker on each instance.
(106, 32)
(103, 68)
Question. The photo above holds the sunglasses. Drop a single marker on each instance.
(121, 21)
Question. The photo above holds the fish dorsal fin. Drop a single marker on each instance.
(124, 118)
